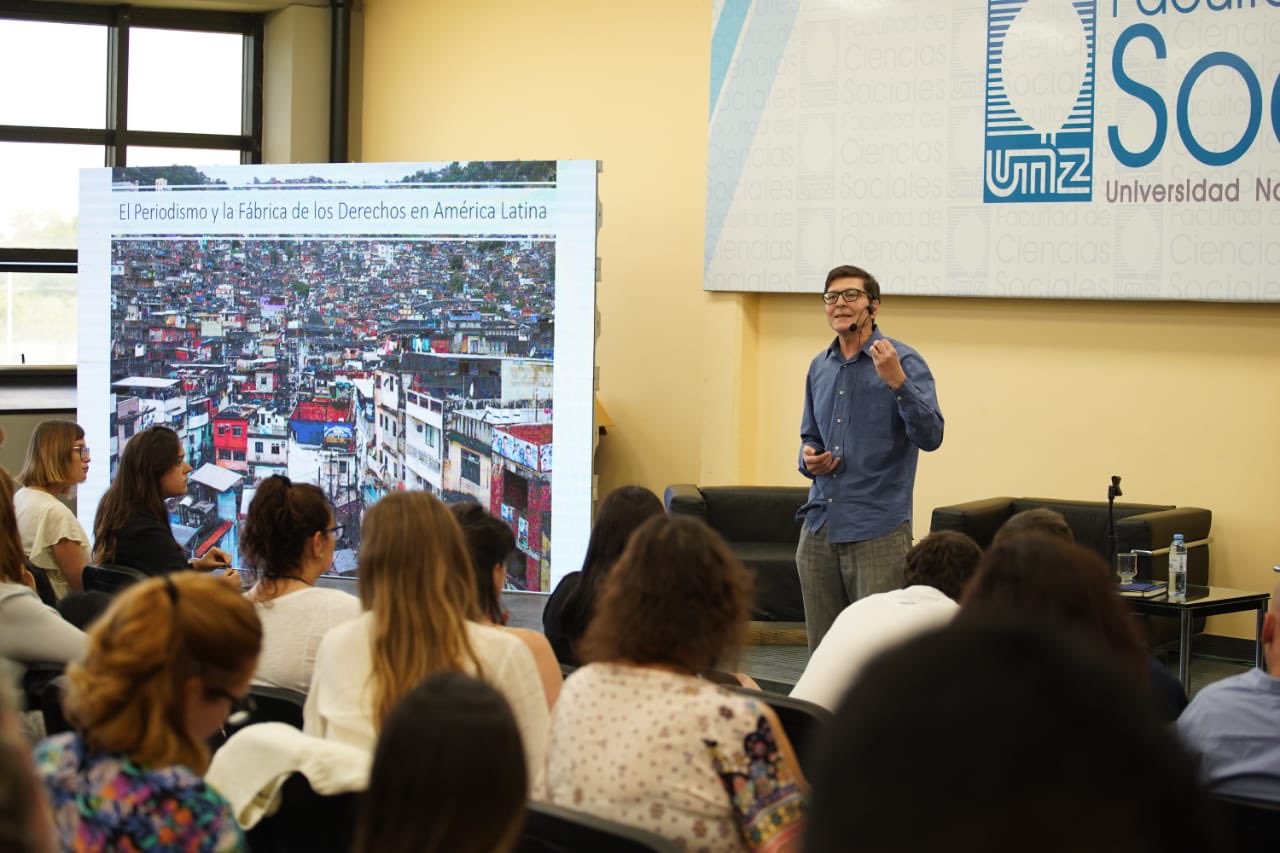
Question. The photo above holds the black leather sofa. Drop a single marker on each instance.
(1139, 527)
(759, 523)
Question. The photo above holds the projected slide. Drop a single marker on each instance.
(366, 328)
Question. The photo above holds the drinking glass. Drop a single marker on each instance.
(1127, 567)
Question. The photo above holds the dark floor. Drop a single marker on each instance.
(777, 667)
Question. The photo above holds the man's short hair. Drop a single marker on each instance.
(945, 560)
(869, 283)
(1039, 519)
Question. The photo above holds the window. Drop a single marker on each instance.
(257, 447)
(238, 455)
(515, 491)
(471, 467)
(193, 95)
(237, 431)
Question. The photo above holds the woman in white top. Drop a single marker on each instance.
(490, 542)
(288, 540)
(418, 620)
(57, 461)
(30, 631)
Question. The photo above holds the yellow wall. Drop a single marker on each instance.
(1041, 398)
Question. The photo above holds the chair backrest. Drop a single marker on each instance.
(307, 822)
(55, 719)
(555, 829)
(44, 588)
(276, 705)
(804, 722)
(1247, 826)
(110, 578)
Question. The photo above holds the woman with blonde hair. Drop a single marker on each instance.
(52, 538)
(419, 619)
(167, 664)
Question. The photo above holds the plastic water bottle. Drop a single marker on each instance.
(1178, 569)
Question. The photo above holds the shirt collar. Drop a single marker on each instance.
(833, 351)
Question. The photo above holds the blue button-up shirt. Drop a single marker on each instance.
(876, 432)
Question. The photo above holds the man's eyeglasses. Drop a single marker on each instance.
(82, 452)
(851, 295)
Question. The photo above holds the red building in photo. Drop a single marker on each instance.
(231, 438)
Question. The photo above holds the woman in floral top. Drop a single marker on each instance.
(637, 737)
(166, 664)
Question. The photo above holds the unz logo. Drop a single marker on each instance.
(1038, 133)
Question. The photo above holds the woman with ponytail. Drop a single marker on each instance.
(420, 617)
(288, 540)
(167, 664)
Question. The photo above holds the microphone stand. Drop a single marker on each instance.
(1113, 492)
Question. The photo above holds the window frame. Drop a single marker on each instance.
(115, 138)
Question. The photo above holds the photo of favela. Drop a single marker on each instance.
(362, 365)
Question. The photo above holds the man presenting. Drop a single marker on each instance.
(869, 408)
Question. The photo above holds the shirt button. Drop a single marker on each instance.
(836, 448)
(839, 421)
(829, 500)
(841, 393)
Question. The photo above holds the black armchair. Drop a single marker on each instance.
(759, 523)
(1139, 527)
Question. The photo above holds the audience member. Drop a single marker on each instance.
(1170, 695)
(1232, 724)
(1040, 579)
(573, 602)
(1039, 519)
(166, 665)
(490, 543)
(24, 811)
(465, 788)
(30, 630)
(936, 571)
(288, 540)
(57, 460)
(131, 527)
(998, 739)
(637, 737)
(419, 619)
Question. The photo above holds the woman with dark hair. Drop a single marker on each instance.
(464, 789)
(288, 540)
(1042, 579)
(569, 609)
(131, 527)
(30, 630)
(637, 737)
(490, 543)
(167, 663)
(52, 538)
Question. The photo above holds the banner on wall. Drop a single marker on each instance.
(366, 328)
(1091, 149)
